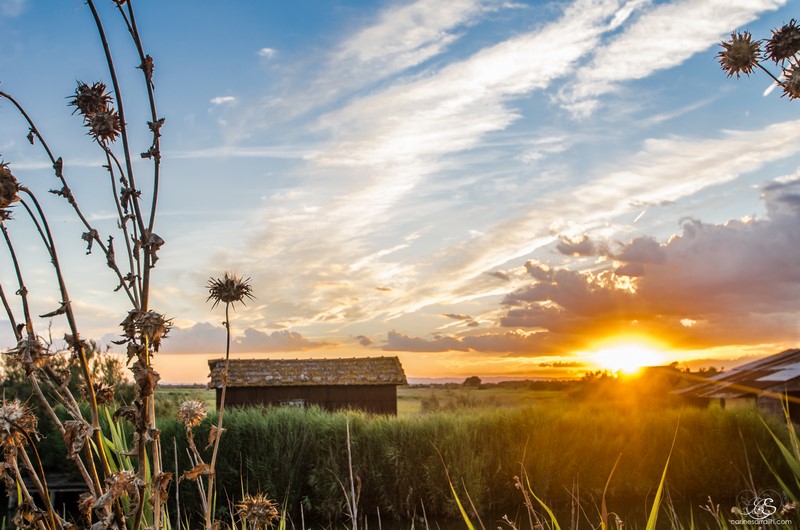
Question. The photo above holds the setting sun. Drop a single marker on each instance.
(627, 358)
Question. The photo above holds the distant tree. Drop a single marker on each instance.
(741, 55)
(472, 382)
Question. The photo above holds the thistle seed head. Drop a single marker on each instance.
(791, 86)
(31, 353)
(9, 187)
(103, 393)
(740, 54)
(104, 126)
(229, 289)
(145, 326)
(17, 424)
(784, 43)
(259, 511)
(89, 100)
(192, 413)
(122, 483)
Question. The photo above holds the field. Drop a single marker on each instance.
(410, 399)
(565, 444)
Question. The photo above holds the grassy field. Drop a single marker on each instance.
(410, 399)
(485, 437)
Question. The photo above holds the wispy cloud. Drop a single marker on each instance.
(223, 100)
(267, 53)
(405, 36)
(664, 36)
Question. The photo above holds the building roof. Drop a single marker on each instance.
(775, 374)
(308, 372)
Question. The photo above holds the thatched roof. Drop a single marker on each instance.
(774, 374)
(308, 372)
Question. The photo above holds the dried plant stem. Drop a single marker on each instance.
(135, 271)
(26, 495)
(78, 344)
(23, 291)
(157, 467)
(156, 148)
(120, 107)
(41, 485)
(58, 167)
(10, 314)
(212, 475)
(353, 498)
(778, 81)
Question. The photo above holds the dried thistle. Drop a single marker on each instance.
(145, 326)
(104, 126)
(89, 100)
(76, 434)
(740, 54)
(784, 43)
(229, 289)
(9, 187)
(119, 484)
(31, 353)
(258, 510)
(85, 502)
(791, 86)
(17, 425)
(27, 516)
(192, 413)
(103, 393)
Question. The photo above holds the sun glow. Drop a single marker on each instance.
(627, 358)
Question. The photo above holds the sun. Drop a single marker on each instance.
(627, 358)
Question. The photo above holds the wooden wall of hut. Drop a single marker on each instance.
(378, 399)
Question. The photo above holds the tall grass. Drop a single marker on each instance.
(302, 456)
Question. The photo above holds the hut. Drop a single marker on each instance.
(763, 383)
(367, 383)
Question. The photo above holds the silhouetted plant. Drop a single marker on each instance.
(741, 55)
(229, 290)
(116, 498)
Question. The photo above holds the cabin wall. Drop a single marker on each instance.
(772, 405)
(378, 399)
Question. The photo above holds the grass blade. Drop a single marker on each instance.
(461, 509)
(543, 505)
(653, 518)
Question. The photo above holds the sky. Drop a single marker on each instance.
(479, 187)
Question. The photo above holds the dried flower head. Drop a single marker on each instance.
(145, 326)
(192, 413)
(27, 515)
(103, 393)
(791, 86)
(784, 43)
(17, 425)
(258, 510)
(104, 126)
(119, 484)
(9, 187)
(89, 100)
(229, 289)
(76, 433)
(31, 353)
(740, 54)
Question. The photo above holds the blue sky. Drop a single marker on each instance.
(480, 187)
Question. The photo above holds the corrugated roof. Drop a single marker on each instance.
(774, 374)
(308, 372)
